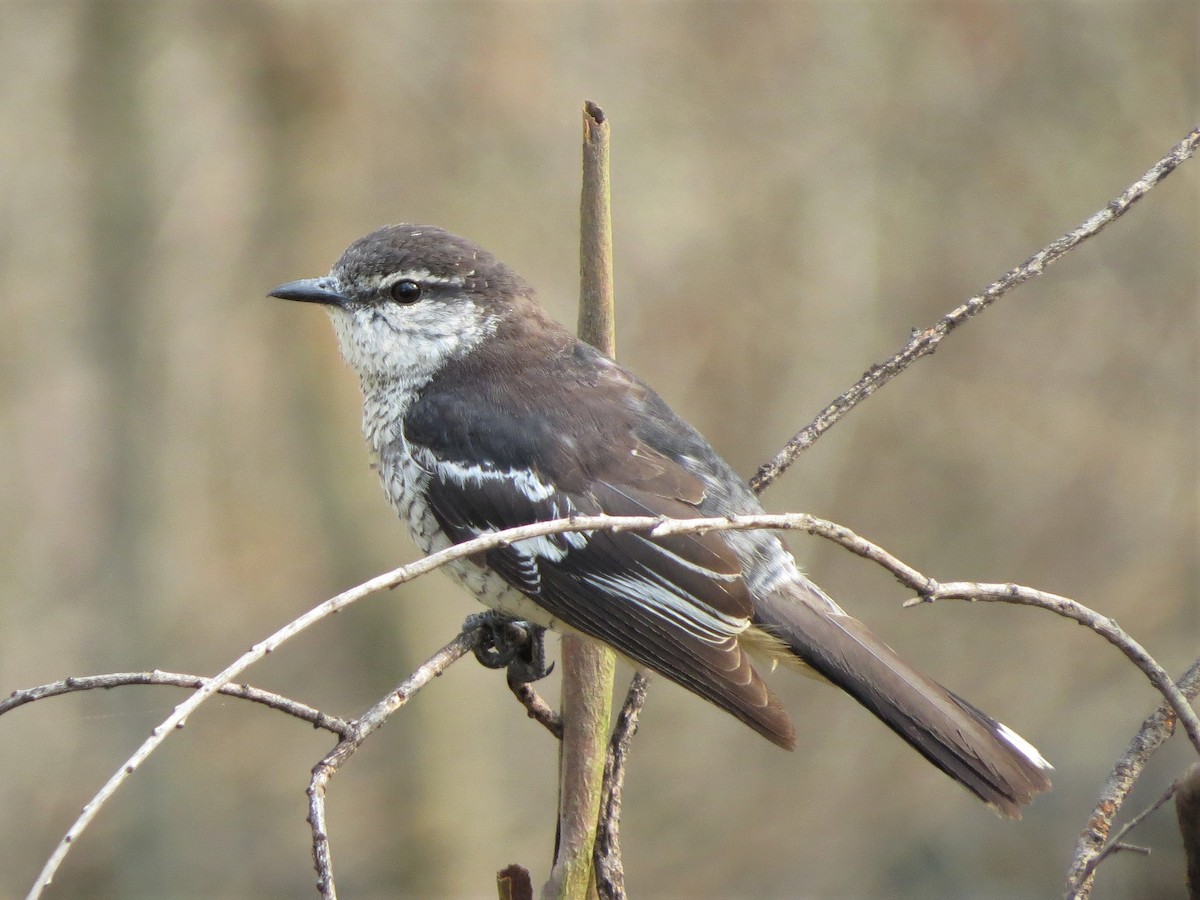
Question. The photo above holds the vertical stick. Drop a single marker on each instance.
(597, 308)
(588, 667)
(1187, 811)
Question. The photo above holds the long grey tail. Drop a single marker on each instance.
(985, 756)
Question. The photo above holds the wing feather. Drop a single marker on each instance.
(675, 604)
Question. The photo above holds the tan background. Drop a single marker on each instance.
(796, 186)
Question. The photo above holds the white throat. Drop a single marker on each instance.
(396, 350)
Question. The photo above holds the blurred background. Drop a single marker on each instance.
(796, 186)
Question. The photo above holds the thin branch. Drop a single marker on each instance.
(597, 298)
(513, 883)
(924, 342)
(1070, 609)
(1137, 849)
(1153, 732)
(610, 873)
(1187, 814)
(655, 526)
(539, 710)
(588, 667)
(1117, 844)
(297, 626)
(372, 719)
(314, 717)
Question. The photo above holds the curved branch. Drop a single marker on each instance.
(372, 719)
(1105, 627)
(1117, 843)
(301, 711)
(924, 342)
(537, 708)
(1155, 730)
(655, 526)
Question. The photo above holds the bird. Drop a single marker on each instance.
(482, 413)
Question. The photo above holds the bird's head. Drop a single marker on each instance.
(406, 299)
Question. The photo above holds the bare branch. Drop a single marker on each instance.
(539, 710)
(513, 883)
(610, 874)
(656, 526)
(314, 717)
(1150, 736)
(924, 342)
(1070, 609)
(371, 720)
(1187, 814)
(211, 686)
(1117, 844)
(588, 668)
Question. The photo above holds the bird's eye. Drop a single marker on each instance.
(406, 291)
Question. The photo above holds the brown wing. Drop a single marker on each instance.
(676, 604)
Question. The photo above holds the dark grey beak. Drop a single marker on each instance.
(311, 290)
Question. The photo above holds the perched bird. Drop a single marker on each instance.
(483, 414)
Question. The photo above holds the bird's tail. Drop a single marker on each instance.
(985, 756)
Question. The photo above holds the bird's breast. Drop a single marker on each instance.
(405, 483)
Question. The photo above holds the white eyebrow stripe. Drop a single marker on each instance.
(422, 275)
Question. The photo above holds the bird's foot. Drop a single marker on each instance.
(513, 644)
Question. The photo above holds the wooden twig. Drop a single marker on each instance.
(213, 685)
(371, 720)
(588, 667)
(513, 883)
(655, 526)
(610, 872)
(305, 713)
(1117, 844)
(1187, 814)
(597, 299)
(539, 710)
(1153, 732)
(923, 342)
(1105, 627)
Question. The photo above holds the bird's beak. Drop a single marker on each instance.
(311, 290)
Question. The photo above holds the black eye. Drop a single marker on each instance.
(406, 291)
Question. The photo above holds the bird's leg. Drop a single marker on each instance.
(529, 661)
(513, 644)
